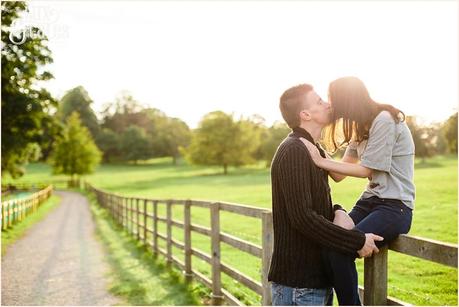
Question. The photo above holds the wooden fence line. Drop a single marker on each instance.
(375, 268)
(15, 210)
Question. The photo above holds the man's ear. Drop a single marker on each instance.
(305, 115)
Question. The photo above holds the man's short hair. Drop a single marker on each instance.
(291, 103)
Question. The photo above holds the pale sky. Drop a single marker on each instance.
(189, 58)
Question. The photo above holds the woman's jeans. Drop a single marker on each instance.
(288, 296)
(384, 217)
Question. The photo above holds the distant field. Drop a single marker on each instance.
(415, 281)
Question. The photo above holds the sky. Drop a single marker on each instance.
(188, 58)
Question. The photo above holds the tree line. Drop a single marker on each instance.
(128, 132)
(68, 134)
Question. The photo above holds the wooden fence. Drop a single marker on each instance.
(132, 213)
(15, 210)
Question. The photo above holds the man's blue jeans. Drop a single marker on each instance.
(384, 217)
(287, 296)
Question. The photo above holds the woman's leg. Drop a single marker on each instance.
(388, 219)
(342, 267)
(360, 210)
(343, 273)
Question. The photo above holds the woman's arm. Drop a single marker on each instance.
(337, 177)
(342, 168)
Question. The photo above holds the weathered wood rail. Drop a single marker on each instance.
(15, 210)
(132, 213)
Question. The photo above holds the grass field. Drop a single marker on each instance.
(412, 280)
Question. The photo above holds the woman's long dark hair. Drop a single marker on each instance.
(353, 108)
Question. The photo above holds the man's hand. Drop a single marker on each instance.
(343, 219)
(370, 247)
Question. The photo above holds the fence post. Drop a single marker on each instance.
(169, 231)
(22, 210)
(375, 279)
(217, 296)
(267, 250)
(121, 206)
(145, 222)
(18, 208)
(116, 209)
(124, 221)
(187, 238)
(137, 218)
(112, 204)
(131, 215)
(10, 213)
(155, 226)
(4, 216)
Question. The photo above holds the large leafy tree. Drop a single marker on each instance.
(450, 133)
(165, 135)
(134, 144)
(25, 105)
(109, 142)
(220, 140)
(423, 138)
(275, 134)
(78, 100)
(75, 152)
(170, 135)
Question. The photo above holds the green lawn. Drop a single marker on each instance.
(412, 280)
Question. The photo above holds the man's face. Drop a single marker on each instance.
(317, 110)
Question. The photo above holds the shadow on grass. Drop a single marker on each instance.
(139, 277)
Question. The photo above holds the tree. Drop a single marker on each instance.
(171, 134)
(256, 129)
(75, 152)
(25, 104)
(124, 112)
(109, 142)
(275, 134)
(78, 100)
(450, 133)
(134, 144)
(220, 140)
(423, 138)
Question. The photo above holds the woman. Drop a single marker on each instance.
(380, 148)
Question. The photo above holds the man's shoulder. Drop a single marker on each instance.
(291, 143)
(290, 146)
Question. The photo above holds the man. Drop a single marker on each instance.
(304, 220)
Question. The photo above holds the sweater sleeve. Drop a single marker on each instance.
(295, 178)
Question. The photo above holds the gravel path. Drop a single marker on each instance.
(58, 261)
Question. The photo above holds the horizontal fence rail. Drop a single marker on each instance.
(132, 213)
(16, 210)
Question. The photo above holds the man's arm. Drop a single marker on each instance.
(296, 177)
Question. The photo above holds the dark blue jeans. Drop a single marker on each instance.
(384, 217)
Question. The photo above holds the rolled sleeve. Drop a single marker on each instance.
(378, 152)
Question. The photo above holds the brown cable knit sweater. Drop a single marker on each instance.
(303, 217)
